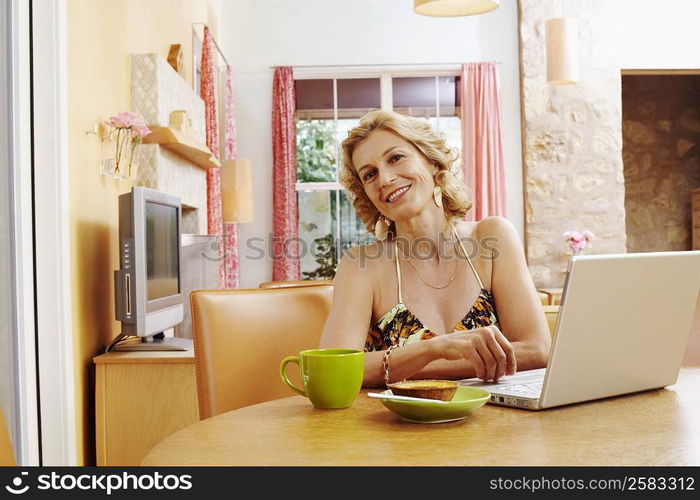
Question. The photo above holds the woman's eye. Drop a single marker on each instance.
(368, 175)
(395, 158)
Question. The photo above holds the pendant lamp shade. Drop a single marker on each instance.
(562, 51)
(454, 8)
(237, 191)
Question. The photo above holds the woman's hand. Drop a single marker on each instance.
(486, 348)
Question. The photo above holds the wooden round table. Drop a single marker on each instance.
(658, 427)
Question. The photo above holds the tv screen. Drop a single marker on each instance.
(162, 247)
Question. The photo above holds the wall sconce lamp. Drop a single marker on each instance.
(561, 35)
(454, 8)
(237, 191)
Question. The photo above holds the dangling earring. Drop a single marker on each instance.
(381, 227)
(437, 196)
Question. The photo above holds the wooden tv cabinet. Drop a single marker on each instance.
(140, 398)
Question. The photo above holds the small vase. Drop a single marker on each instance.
(121, 140)
(112, 168)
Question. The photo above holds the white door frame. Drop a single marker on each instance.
(27, 444)
(53, 245)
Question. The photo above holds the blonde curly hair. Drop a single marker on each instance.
(421, 135)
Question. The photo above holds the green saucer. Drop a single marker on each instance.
(465, 401)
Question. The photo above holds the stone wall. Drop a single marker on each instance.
(572, 161)
(661, 153)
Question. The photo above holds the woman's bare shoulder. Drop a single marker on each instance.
(494, 226)
(499, 235)
(490, 238)
(486, 230)
(365, 262)
(489, 227)
(367, 254)
(465, 229)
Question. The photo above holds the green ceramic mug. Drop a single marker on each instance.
(332, 378)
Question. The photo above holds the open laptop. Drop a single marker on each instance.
(622, 327)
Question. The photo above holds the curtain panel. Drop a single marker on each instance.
(286, 264)
(231, 269)
(207, 92)
(226, 233)
(482, 143)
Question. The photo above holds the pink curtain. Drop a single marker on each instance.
(231, 271)
(284, 218)
(227, 233)
(208, 93)
(482, 144)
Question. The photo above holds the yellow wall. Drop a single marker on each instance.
(101, 35)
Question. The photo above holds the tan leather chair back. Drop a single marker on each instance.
(241, 336)
(278, 284)
(7, 457)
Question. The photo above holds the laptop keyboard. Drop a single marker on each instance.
(529, 390)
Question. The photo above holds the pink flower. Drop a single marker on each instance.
(127, 119)
(578, 240)
(130, 130)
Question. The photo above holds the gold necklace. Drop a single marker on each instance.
(426, 281)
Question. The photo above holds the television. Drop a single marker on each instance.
(147, 286)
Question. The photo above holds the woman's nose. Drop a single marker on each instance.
(386, 177)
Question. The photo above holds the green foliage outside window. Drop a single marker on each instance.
(326, 258)
(316, 154)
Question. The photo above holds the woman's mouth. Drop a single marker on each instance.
(398, 193)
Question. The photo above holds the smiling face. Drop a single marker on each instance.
(396, 176)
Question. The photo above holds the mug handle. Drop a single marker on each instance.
(283, 373)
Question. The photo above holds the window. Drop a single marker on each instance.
(435, 98)
(326, 110)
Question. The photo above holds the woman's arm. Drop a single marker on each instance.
(464, 368)
(456, 355)
(348, 323)
(518, 306)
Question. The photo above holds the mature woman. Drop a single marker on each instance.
(435, 297)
